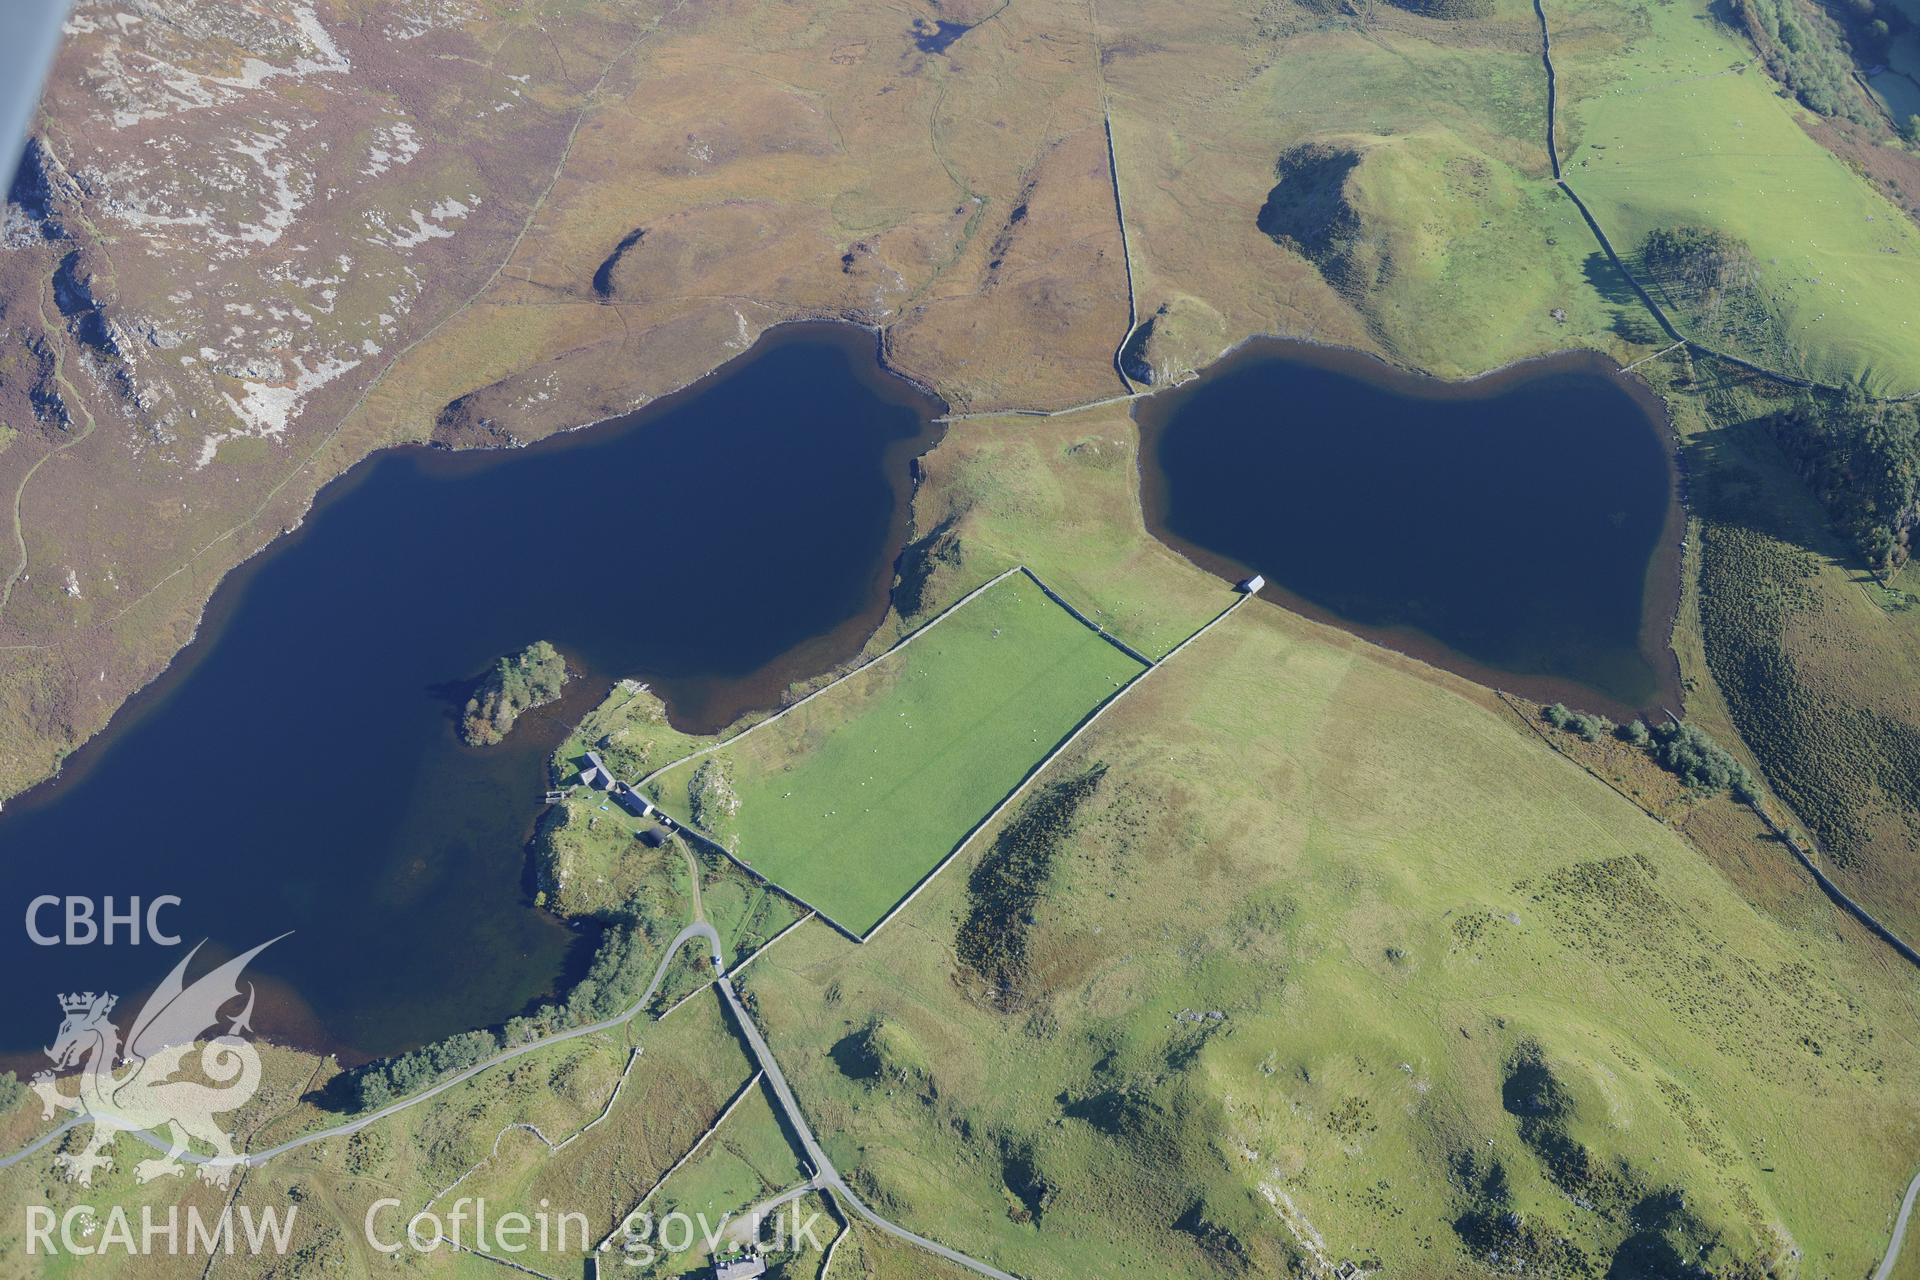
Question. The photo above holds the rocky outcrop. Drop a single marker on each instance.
(1313, 211)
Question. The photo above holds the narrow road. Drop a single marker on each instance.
(20, 493)
(1899, 1231)
(699, 929)
(699, 906)
(254, 1160)
(753, 1217)
(825, 1175)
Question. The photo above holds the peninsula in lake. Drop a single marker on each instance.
(1037, 640)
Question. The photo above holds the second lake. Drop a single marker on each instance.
(1521, 529)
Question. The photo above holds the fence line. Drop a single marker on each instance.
(676, 1166)
(1835, 892)
(633, 1056)
(713, 842)
(888, 652)
(1104, 634)
(1041, 767)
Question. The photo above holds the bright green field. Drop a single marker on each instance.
(850, 800)
(1665, 133)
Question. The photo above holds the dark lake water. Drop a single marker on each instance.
(1521, 529)
(939, 36)
(298, 767)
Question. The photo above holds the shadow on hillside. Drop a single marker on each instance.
(1737, 475)
(1631, 319)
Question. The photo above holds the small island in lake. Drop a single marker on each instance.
(518, 682)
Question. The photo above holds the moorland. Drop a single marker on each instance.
(1305, 952)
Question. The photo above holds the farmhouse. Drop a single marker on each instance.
(595, 772)
(739, 1269)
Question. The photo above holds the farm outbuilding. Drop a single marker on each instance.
(632, 801)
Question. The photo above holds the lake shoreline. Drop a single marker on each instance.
(1662, 579)
(705, 687)
(130, 706)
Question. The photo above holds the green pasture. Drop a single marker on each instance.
(851, 799)
(747, 1161)
(1391, 895)
(1678, 127)
(1451, 190)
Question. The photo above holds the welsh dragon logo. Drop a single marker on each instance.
(146, 1096)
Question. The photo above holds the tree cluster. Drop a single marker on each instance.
(1700, 266)
(1699, 761)
(379, 1083)
(1585, 723)
(1814, 51)
(1863, 461)
(615, 980)
(1681, 749)
(517, 683)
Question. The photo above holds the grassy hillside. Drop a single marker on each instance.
(1665, 120)
(1437, 950)
(498, 1137)
(1320, 955)
(1448, 117)
(1801, 652)
(1665, 123)
(1307, 952)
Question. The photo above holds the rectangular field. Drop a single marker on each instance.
(850, 800)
